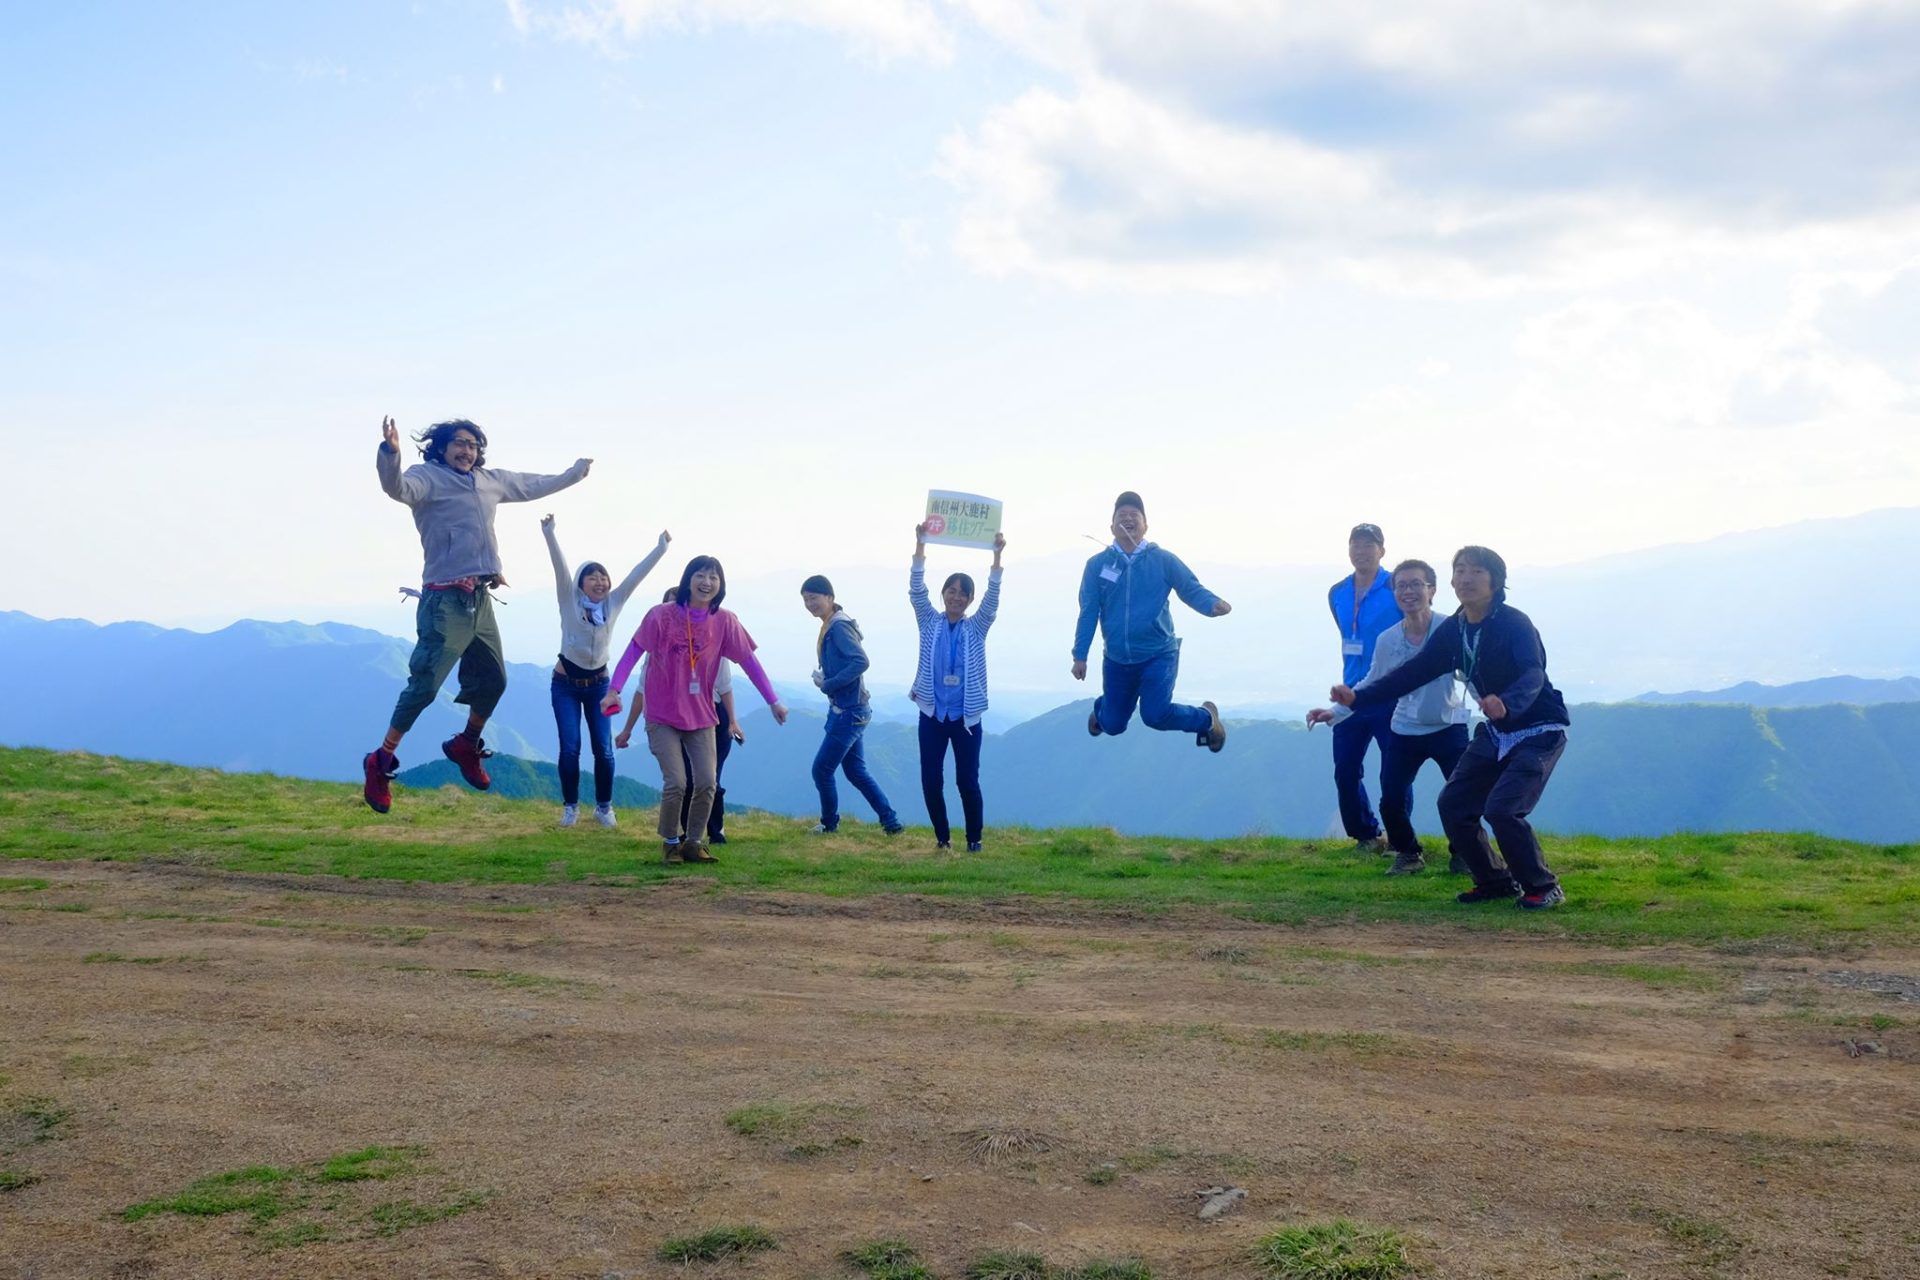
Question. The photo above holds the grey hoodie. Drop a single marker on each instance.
(454, 513)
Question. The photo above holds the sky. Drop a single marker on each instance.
(1565, 278)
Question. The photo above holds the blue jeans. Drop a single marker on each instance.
(841, 749)
(570, 702)
(1400, 762)
(934, 737)
(1150, 684)
(1350, 739)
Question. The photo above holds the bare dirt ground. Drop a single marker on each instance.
(567, 1059)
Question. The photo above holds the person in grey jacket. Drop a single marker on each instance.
(453, 494)
(1428, 724)
(843, 663)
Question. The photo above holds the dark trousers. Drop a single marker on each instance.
(1400, 761)
(723, 743)
(570, 702)
(1150, 684)
(1504, 792)
(934, 737)
(1350, 739)
(840, 748)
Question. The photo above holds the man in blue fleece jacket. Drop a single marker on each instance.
(843, 663)
(1124, 589)
(1495, 649)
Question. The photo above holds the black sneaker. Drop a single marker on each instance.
(718, 837)
(1093, 722)
(1542, 899)
(1488, 893)
(1457, 865)
(973, 846)
(1407, 864)
(1372, 844)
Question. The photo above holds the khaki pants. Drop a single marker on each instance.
(666, 743)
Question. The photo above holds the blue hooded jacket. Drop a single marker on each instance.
(1127, 596)
(1378, 611)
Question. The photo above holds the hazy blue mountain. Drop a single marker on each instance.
(1805, 693)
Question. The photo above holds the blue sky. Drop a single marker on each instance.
(1566, 279)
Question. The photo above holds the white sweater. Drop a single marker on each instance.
(581, 642)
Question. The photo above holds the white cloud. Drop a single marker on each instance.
(881, 30)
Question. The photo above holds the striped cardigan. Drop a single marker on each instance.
(973, 643)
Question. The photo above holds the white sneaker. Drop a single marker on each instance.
(818, 829)
(569, 814)
(603, 814)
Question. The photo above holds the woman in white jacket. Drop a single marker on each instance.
(950, 687)
(589, 605)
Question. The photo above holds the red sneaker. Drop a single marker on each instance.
(468, 754)
(380, 767)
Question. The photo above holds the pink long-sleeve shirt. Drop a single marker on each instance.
(684, 646)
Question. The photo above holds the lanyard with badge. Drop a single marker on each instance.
(1469, 655)
(693, 668)
(1354, 645)
(953, 654)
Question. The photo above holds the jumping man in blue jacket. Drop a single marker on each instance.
(1125, 590)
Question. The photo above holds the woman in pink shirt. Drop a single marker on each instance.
(684, 641)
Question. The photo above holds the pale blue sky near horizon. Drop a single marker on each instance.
(1568, 281)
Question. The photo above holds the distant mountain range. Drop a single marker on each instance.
(1806, 693)
(520, 779)
(310, 700)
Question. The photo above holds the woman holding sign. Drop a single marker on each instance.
(684, 642)
(950, 686)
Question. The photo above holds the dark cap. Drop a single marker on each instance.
(1371, 532)
(1130, 499)
(818, 585)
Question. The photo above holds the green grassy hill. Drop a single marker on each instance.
(1716, 888)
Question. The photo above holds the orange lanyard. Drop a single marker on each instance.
(693, 668)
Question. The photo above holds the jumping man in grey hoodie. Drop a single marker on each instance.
(843, 660)
(453, 494)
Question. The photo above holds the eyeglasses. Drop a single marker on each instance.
(460, 440)
(1412, 586)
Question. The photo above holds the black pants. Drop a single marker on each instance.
(1504, 792)
(722, 743)
(934, 737)
(1400, 759)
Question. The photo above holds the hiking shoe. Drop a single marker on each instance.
(1543, 899)
(603, 814)
(820, 829)
(1488, 893)
(1456, 865)
(973, 846)
(895, 829)
(1372, 844)
(1093, 722)
(944, 846)
(468, 753)
(718, 837)
(569, 814)
(694, 851)
(1407, 864)
(670, 851)
(1216, 735)
(380, 767)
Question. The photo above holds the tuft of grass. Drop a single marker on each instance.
(14, 1181)
(1009, 1265)
(513, 980)
(716, 1243)
(21, 884)
(991, 1145)
(1659, 977)
(769, 1119)
(1101, 1176)
(391, 1217)
(1338, 1249)
(370, 1164)
(1111, 1269)
(887, 1260)
(1356, 1042)
(261, 1191)
(114, 957)
(43, 1116)
(1709, 1242)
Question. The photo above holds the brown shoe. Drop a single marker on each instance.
(670, 852)
(695, 851)
(1216, 735)
(1093, 722)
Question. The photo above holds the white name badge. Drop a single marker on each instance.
(952, 680)
(1353, 648)
(693, 686)
(1110, 573)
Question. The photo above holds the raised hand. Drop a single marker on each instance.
(999, 545)
(546, 521)
(665, 538)
(920, 540)
(390, 434)
(585, 465)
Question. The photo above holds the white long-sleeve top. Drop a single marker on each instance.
(581, 642)
(1432, 707)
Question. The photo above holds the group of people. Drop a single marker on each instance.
(1402, 683)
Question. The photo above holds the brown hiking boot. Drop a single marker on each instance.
(1216, 735)
(695, 851)
(1407, 864)
(469, 753)
(670, 852)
